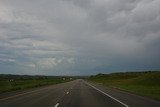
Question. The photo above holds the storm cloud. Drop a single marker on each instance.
(79, 37)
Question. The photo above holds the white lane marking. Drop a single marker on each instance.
(67, 92)
(56, 105)
(107, 94)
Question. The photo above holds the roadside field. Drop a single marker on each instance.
(18, 82)
(141, 83)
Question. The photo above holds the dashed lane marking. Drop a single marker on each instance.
(56, 105)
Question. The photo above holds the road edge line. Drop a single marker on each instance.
(107, 95)
(22, 93)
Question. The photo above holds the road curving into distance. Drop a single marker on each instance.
(77, 93)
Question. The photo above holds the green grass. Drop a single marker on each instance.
(141, 83)
(16, 82)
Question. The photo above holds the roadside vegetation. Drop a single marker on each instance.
(18, 82)
(142, 83)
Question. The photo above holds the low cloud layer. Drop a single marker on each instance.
(79, 37)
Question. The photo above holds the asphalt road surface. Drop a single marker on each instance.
(76, 93)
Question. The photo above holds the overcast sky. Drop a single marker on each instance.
(79, 37)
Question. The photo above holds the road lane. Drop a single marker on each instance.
(42, 97)
(76, 93)
(82, 95)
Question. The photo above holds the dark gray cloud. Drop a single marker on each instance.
(79, 37)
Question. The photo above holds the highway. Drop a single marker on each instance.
(77, 93)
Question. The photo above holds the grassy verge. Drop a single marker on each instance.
(141, 83)
(17, 82)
